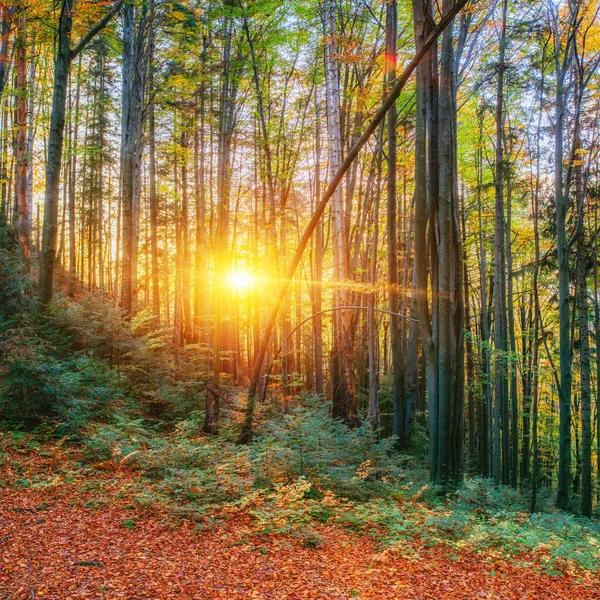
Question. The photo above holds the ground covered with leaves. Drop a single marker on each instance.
(72, 528)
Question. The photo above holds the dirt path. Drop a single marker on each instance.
(64, 550)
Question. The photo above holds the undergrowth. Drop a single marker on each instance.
(305, 469)
(76, 372)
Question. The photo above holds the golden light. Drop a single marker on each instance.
(241, 280)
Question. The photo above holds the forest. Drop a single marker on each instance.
(300, 299)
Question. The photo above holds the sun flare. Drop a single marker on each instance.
(241, 280)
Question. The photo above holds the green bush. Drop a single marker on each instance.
(36, 385)
(308, 443)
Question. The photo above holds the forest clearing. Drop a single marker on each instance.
(299, 299)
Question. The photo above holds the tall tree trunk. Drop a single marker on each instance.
(421, 222)
(392, 233)
(153, 199)
(319, 250)
(187, 336)
(344, 395)
(23, 224)
(562, 244)
(510, 312)
(201, 264)
(372, 333)
(31, 134)
(72, 188)
(222, 339)
(62, 64)
(450, 422)
(136, 50)
(500, 430)
(485, 367)
(584, 344)
(101, 138)
(472, 436)
(597, 343)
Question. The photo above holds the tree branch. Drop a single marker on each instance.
(99, 26)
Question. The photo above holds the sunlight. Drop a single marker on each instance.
(241, 280)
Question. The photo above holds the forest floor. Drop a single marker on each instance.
(60, 537)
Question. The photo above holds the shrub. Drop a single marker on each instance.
(308, 443)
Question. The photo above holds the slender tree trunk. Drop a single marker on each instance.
(514, 406)
(31, 135)
(62, 64)
(153, 196)
(372, 335)
(23, 223)
(472, 437)
(102, 141)
(450, 422)
(136, 50)
(319, 249)
(392, 233)
(584, 346)
(72, 188)
(187, 336)
(597, 343)
(500, 429)
(201, 264)
(344, 395)
(486, 396)
(421, 223)
(561, 203)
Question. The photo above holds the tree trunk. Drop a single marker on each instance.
(153, 197)
(62, 64)
(22, 156)
(561, 203)
(344, 397)
(392, 233)
(319, 250)
(500, 429)
(136, 51)
(201, 264)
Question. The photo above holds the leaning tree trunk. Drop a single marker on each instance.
(246, 429)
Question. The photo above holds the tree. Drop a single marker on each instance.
(137, 43)
(23, 223)
(65, 55)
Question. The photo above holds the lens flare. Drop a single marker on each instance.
(241, 280)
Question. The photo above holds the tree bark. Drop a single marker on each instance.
(343, 384)
(500, 429)
(22, 155)
(399, 408)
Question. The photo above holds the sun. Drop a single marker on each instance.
(241, 280)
